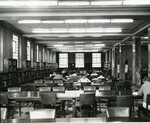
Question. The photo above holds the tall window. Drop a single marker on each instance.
(79, 60)
(43, 54)
(28, 50)
(63, 60)
(15, 47)
(96, 59)
(37, 53)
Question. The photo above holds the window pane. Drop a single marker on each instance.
(96, 59)
(28, 50)
(15, 47)
(37, 53)
(63, 60)
(79, 62)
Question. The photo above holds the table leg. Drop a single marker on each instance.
(74, 108)
(19, 108)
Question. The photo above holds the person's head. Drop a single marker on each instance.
(146, 79)
(84, 76)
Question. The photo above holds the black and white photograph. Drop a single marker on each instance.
(74, 61)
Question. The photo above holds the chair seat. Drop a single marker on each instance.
(144, 105)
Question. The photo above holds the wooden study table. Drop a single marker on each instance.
(31, 96)
(60, 120)
(79, 120)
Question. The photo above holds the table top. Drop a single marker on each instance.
(60, 120)
(80, 120)
(68, 95)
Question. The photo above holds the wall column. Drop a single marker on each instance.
(116, 61)
(113, 63)
(149, 52)
(1, 49)
(122, 62)
(136, 60)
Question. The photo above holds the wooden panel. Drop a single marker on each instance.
(136, 61)
(149, 51)
(122, 62)
(1, 50)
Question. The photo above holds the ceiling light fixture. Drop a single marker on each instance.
(74, 3)
(41, 30)
(29, 21)
(31, 3)
(52, 21)
(112, 30)
(77, 30)
(99, 21)
(76, 21)
(59, 30)
(99, 45)
(97, 3)
(94, 30)
(136, 2)
(122, 20)
(58, 45)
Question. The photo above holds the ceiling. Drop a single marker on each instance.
(78, 41)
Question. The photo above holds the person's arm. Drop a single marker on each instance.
(140, 92)
(88, 80)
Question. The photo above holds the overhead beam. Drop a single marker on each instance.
(7, 15)
(135, 33)
(74, 35)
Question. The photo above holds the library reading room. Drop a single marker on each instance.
(74, 61)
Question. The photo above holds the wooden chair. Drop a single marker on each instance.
(89, 89)
(117, 112)
(14, 89)
(58, 81)
(126, 92)
(44, 89)
(40, 115)
(145, 106)
(85, 84)
(68, 85)
(125, 101)
(49, 100)
(104, 87)
(10, 106)
(58, 89)
(3, 113)
(52, 85)
(88, 104)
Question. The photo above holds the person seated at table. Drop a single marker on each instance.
(94, 73)
(59, 76)
(101, 76)
(84, 79)
(145, 89)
